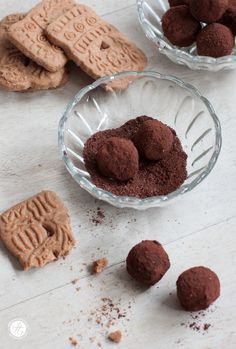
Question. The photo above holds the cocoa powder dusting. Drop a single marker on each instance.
(98, 217)
(115, 336)
(153, 177)
(99, 265)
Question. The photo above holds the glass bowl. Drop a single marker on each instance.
(163, 97)
(150, 13)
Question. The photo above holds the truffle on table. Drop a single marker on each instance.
(229, 17)
(197, 288)
(147, 262)
(178, 2)
(215, 40)
(154, 140)
(208, 11)
(180, 27)
(117, 158)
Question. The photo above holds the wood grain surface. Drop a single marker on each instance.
(197, 230)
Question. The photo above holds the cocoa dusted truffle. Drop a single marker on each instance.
(229, 17)
(180, 27)
(197, 288)
(215, 40)
(178, 2)
(154, 140)
(208, 11)
(147, 262)
(117, 158)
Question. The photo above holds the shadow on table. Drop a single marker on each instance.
(13, 260)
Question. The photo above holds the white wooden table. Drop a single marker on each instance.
(198, 230)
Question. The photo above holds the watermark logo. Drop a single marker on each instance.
(18, 328)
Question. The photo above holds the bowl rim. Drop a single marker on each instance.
(167, 48)
(127, 201)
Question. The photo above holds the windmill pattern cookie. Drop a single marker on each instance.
(19, 73)
(96, 46)
(28, 34)
(37, 231)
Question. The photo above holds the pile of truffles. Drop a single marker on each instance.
(209, 23)
(142, 158)
(197, 287)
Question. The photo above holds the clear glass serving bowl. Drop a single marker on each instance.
(150, 13)
(163, 97)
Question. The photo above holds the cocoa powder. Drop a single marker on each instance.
(153, 177)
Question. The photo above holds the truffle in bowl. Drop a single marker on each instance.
(162, 97)
(180, 40)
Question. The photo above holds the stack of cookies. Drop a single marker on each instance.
(35, 47)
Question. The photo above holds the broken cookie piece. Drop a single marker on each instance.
(37, 231)
(115, 336)
(99, 265)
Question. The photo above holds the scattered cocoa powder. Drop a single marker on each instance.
(99, 265)
(115, 336)
(107, 314)
(153, 178)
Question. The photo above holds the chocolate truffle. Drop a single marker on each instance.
(215, 40)
(178, 2)
(208, 11)
(197, 288)
(117, 158)
(180, 27)
(229, 17)
(154, 140)
(147, 262)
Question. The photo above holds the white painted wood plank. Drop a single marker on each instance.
(155, 316)
(33, 141)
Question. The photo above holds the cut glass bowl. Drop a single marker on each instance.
(163, 97)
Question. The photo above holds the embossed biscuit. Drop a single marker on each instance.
(28, 34)
(13, 75)
(96, 46)
(37, 231)
(19, 73)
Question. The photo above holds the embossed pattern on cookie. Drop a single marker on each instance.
(95, 45)
(37, 231)
(28, 34)
(13, 75)
(17, 72)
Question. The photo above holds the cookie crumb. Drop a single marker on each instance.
(74, 281)
(99, 265)
(115, 336)
(206, 326)
(73, 341)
